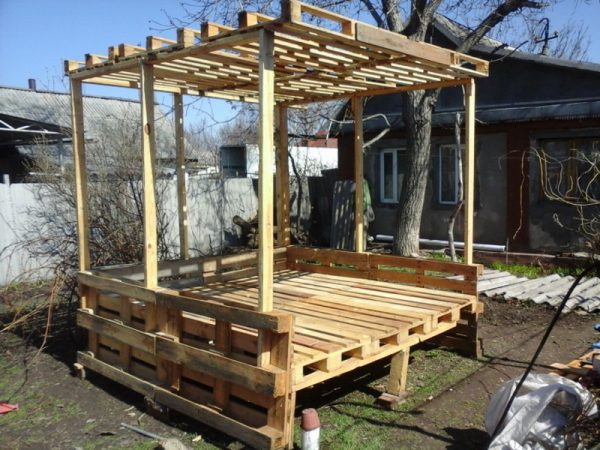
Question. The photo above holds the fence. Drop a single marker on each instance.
(212, 203)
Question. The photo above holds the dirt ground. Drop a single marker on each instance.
(57, 410)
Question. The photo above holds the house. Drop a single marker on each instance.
(308, 159)
(529, 102)
(29, 117)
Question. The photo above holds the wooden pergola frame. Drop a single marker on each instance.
(278, 63)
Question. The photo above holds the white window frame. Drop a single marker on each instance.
(395, 191)
(442, 148)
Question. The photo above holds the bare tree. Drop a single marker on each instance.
(114, 203)
(414, 20)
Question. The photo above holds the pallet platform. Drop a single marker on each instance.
(202, 353)
(373, 319)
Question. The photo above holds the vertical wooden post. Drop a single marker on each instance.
(81, 195)
(283, 179)
(88, 297)
(469, 170)
(223, 344)
(398, 373)
(266, 104)
(125, 316)
(184, 246)
(169, 322)
(148, 158)
(357, 112)
(280, 414)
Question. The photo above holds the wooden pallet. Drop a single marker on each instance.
(373, 319)
(577, 368)
(202, 354)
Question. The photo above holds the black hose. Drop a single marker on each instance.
(588, 269)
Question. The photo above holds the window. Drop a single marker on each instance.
(448, 174)
(569, 168)
(390, 180)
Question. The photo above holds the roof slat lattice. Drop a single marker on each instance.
(312, 63)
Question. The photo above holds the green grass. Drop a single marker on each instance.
(530, 271)
(356, 422)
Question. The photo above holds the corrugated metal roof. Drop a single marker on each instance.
(99, 112)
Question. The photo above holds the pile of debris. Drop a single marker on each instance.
(249, 230)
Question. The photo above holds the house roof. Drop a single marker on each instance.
(17, 130)
(455, 32)
(508, 113)
(522, 87)
(51, 111)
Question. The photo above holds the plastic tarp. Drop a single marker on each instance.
(545, 405)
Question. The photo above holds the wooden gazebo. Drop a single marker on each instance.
(232, 350)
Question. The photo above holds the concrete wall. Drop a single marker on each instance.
(212, 203)
(490, 219)
(15, 262)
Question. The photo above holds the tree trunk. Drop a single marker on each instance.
(460, 195)
(417, 108)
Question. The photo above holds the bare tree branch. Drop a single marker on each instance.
(493, 19)
(391, 12)
(374, 13)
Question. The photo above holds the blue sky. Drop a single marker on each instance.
(36, 35)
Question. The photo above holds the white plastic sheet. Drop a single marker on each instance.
(537, 418)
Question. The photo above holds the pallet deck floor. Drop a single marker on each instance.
(341, 321)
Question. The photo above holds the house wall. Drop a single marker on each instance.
(509, 206)
(490, 219)
(553, 226)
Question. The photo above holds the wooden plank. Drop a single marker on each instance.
(79, 165)
(269, 381)
(148, 160)
(114, 330)
(117, 286)
(91, 296)
(388, 40)
(418, 291)
(469, 170)
(263, 401)
(206, 306)
(126, 312)
(357, 113)
(292, 10)
(195, 266)
(136, 384)
(243, 412)
(327, 257)
(262, 438)
(280, 415)
(398, 373)
(425, 265)
(184, 249)
(223, 343)
(265, 183)
(391, 298)
(169, 322)
(283, 181)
